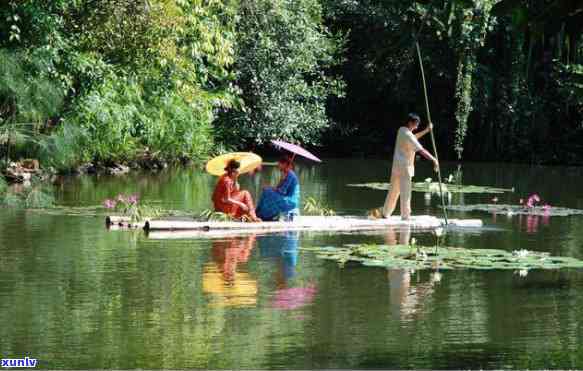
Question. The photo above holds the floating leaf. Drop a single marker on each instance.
(433, 187)
(424, 257)
(517, 210)
(98, 211)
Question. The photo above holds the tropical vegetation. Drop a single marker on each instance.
(133, 81)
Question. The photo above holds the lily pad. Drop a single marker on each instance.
(425, 257)
(94, 211)
(433, 187)
(517, 210)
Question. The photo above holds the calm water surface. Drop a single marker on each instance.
(75, 295)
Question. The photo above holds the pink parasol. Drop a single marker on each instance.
(295, 149)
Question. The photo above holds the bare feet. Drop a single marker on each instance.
(375, 214)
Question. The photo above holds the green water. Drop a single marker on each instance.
(75, 295)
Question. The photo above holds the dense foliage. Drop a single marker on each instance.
(282, 55)
(127, 80)
(138, 78)
(504, 75)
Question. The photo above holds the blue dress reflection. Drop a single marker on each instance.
(283, 246)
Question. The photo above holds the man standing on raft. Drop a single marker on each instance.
(403, 169)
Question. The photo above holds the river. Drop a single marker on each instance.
(75, 295)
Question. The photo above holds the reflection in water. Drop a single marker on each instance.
(77, 296)
(531, 223)
(284, 247)
(405, 298)
(228, 282)
(294, 297)
(221, 278)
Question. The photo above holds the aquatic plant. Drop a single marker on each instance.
(433, 187)
(424, 257)
(35, 196)
(38, 197)
(215, 216)
(130, 206)
(316, 207)
(532, 200)
(505, 209)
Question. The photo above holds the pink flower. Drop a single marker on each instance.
(133, 199)
(546, 207)
(109, 204)
(532, 200)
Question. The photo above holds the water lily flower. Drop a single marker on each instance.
(521, 253)
(436, 277)
(533, 200)
(438, 232)
(109, 204)
(546, 207)
(521, 201)
(495, 200)
(428, 180)
(522, 273)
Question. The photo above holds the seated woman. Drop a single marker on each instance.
(229, 199)
(282, 199)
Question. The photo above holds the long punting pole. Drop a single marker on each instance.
(431, 132)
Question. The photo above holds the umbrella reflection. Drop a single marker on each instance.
(294, 297)
(228, 285)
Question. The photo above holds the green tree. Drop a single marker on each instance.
(283, 56)
(139, 76)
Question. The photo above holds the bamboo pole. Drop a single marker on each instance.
(431, 132)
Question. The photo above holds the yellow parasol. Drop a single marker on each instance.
(249, 161)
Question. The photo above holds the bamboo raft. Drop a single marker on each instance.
(190, 228)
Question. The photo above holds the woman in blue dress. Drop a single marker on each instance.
(283, 199)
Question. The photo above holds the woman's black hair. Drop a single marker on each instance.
(232, 165)
(413, 117)
(286, 160)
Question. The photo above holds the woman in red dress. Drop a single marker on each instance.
(229, 199)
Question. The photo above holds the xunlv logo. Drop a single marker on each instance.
(19, 362)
